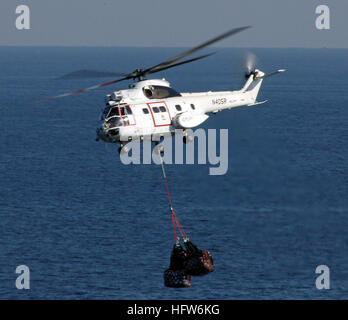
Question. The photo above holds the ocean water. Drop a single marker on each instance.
(89, 227)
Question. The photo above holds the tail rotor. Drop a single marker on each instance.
(250, 64)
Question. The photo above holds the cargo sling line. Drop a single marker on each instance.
(175, 220)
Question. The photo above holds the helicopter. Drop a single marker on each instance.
(152, 109)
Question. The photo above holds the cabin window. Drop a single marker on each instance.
(163, 109)
(155, 109)
(145, 111)
(193, 106)
(178, 107)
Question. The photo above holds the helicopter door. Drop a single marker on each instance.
(127, 115)
(160, 114)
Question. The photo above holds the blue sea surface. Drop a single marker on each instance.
(89, 227)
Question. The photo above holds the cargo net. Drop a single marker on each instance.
(186, 260)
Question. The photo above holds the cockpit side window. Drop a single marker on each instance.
(114, 112)
(106, 111)
(129, 110)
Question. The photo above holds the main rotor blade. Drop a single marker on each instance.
(86, 89)
(138, 73)
(85, 74)
(179, 63)
(193, 50)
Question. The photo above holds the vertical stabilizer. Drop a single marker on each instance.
(253, 84)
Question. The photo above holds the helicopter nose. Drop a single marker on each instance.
(112, 135)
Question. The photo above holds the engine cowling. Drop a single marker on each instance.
(187, 120)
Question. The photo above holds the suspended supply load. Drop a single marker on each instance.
(199, 262)
(187, 260)
(175, 276)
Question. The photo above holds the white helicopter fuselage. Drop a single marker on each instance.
(151, 108)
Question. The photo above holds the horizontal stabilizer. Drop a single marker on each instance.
(256, 103)
(270, 74)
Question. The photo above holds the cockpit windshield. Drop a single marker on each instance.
(110, 111)
(113, 112)
(105, 112)
(116, 116)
